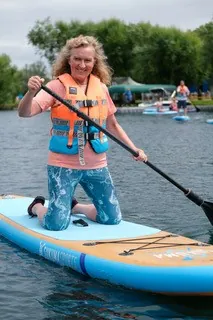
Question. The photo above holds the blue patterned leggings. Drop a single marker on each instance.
(98, 185)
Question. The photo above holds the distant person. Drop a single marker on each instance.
(128, 98)
(159, 105)
(173, 106)
(182, 96)
(19, 97)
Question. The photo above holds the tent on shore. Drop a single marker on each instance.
(140, 91)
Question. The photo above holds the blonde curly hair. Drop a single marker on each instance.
(101, 68)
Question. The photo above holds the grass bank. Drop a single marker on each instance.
(202, 102)
(8, 107)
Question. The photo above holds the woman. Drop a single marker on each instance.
(77, 150)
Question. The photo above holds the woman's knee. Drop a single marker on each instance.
(109, 218)
(109, 221)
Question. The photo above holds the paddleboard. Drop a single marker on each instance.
(153, 111)
(128, 254)
(210, 121)
(181, 118)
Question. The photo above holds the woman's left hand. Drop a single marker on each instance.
(141, 156)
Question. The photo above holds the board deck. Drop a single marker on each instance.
(16, 209)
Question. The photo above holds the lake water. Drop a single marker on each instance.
(33, 288)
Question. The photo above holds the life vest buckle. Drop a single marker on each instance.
(92, 136)
(90, 103)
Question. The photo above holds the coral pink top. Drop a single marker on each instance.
(92, 159)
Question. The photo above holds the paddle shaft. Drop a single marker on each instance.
(111, 136)
(196, 108)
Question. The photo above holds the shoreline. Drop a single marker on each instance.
(205, 107)
(122, 110)
(134, 109)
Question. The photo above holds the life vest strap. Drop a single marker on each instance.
(79, 122)
(60, 122)
(101, 120)
(88, 103)
(64, 133)
(71, 131)
(81, 143)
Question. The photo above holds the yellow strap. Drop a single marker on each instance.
(101, 120)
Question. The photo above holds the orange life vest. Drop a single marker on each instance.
(69, 132)
(182, 92)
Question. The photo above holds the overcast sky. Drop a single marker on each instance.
(17, 18)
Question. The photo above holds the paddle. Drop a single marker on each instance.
(205, 205)
(196, 108)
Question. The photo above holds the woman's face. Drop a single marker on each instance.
(81, 63)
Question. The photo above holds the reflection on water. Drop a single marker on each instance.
(33, 288)
(210, 241)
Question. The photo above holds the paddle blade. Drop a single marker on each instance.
(205, 205)
(208, 209)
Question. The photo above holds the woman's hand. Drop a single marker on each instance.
(28, 108)
(141, 156)
(34, 84)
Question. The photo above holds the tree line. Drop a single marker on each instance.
(147, 53)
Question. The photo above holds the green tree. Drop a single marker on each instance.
(38, 68)
(167, 55)
(49, 38)
(205, 33)
(147, 53)
(113, 34)
(117, 43)
(9, 81)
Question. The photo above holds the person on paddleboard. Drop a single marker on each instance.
(182, 96)
(159, 105)
(173, 106)
(77, 149)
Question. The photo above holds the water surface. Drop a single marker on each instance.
(33, 288)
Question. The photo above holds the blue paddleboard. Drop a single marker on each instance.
(153, 111)
(210, 121)
(181, 118)
(128, 254)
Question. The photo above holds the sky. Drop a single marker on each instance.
(18, 17)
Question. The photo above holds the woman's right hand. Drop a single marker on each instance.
(34, 84)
